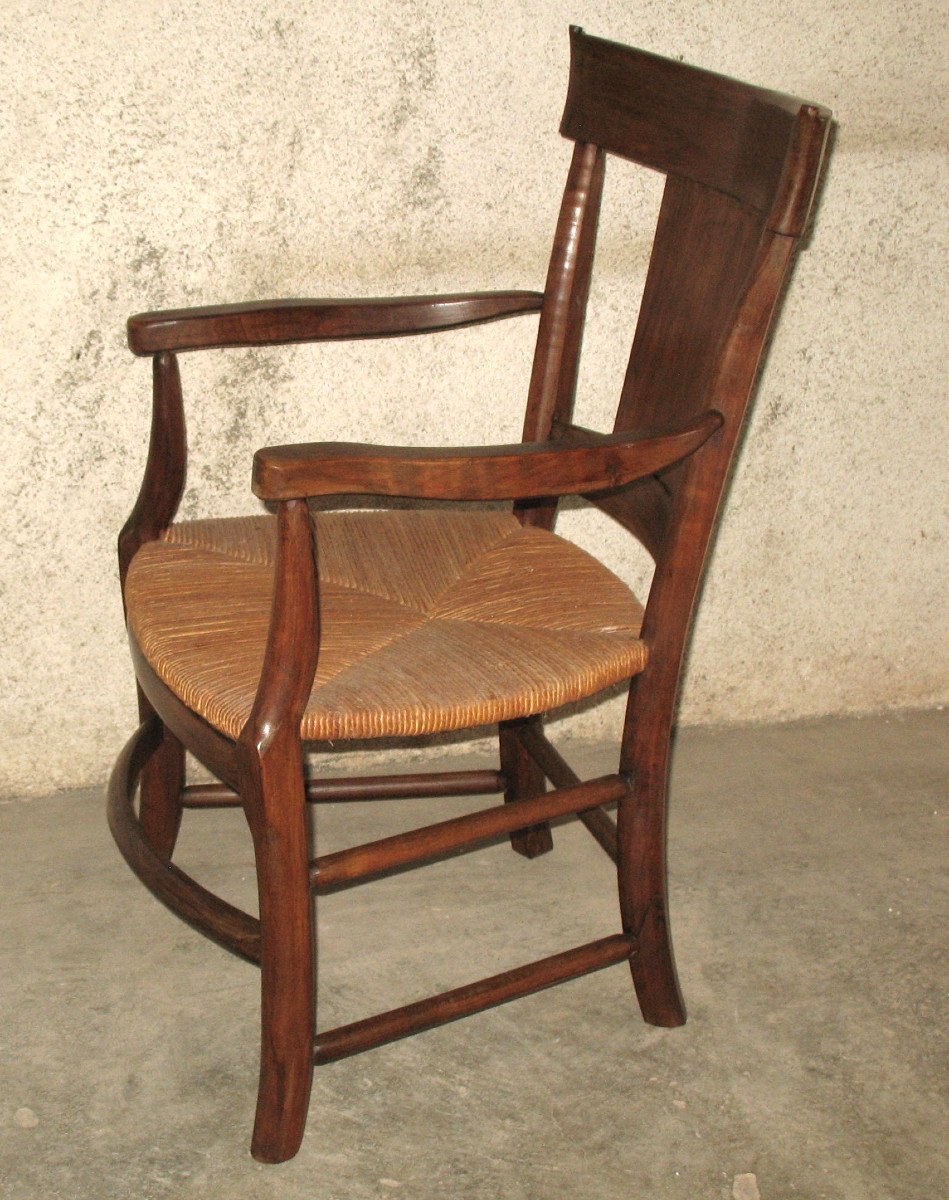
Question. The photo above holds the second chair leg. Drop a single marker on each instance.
(524, 779)
(162, 780)
(276, 806)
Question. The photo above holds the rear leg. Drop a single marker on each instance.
(524, 778)
(162, 780)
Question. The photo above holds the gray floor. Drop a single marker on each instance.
(809, 904)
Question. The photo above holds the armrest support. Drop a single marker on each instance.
(275, 322)
(472, 473)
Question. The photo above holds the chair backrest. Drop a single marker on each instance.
(742, 166)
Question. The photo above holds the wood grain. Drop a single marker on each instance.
(745, 141)
(554, 766)
(222, 922)
(474, 472)
(164, 480)
(279, 322)
(366, 787)
(523, 779)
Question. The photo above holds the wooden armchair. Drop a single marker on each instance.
(252, 637)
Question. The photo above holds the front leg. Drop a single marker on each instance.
(272, 789)
(273, 793)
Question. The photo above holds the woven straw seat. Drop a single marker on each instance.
(429, 620)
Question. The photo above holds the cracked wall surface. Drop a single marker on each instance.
(167, 155)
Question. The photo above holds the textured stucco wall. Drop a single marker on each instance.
(170, 154)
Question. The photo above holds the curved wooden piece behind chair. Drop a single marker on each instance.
(234, 930)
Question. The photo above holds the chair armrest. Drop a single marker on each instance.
(275, 322)
(508, 472)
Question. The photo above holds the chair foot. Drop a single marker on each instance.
(281, 1117)
(534, 841)
(286, 1054)
(524, 779)
(643, 903)
(654, 973)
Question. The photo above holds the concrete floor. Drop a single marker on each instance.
(809, 905)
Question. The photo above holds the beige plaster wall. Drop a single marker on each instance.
(159, 154)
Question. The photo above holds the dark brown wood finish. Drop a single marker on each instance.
(742, 166)
(523, 779)
(554, 375)
(368, 787)
(444, 837)
(474, 472)
(218, 920)
(212, 749)
(560, 332)
(158, 499)
(641, 820)
(643, 507)
(279, 322)
(160, 787)
(724, 135)
(472, 998)
(271, 786)
(164, 481)
(551, 763)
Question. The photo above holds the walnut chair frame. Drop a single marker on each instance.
(741, 168)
